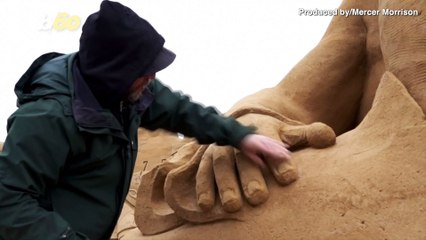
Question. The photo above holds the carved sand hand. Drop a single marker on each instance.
(222, 168)
(227, 168)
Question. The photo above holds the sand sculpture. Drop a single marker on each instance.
(370, 184)
(364, 82)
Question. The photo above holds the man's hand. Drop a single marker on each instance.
(258, 148)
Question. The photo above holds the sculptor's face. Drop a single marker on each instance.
(135, 91)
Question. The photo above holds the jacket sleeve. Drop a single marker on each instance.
(33, 155)
(177, 113)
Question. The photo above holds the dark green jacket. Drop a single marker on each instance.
(66, 164)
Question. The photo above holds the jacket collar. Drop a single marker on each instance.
(87, 111)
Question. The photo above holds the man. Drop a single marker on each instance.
(67, 160)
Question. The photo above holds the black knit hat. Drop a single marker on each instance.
(116, 47)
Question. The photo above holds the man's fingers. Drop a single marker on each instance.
(256, 159)
(275, 150)
(278, 158)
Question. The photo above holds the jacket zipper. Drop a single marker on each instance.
(124, 156)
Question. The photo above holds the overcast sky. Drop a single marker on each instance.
(225, 49)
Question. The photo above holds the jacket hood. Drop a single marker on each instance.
(44, 78)
(116, 46)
